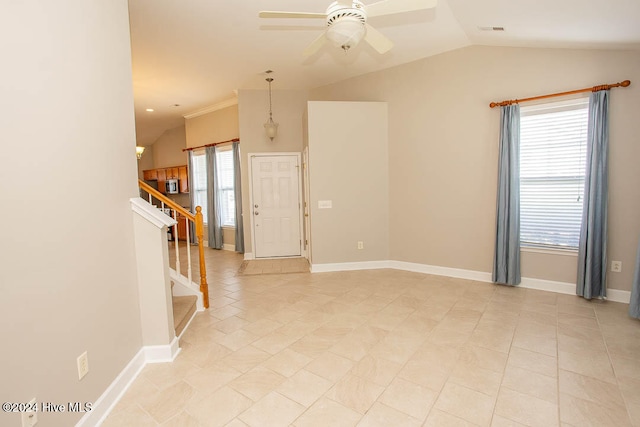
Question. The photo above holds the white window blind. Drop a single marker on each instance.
(199, 184)
(224, 182)
(225, 187)
(553, 140)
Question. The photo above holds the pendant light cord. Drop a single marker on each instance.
(270, 112)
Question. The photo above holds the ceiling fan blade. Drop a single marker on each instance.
(315, 45)
(276, 14)
(377, 40)
(390, 7)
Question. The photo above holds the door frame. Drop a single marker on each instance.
(306, 207)
(300, 197)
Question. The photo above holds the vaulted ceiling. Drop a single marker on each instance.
(190, 54)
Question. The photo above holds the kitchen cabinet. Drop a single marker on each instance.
(150, 175)
(183, 176)
(172, 173)
(182, 227)
(162, 179)
(181, 173)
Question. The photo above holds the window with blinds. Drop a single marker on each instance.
(199, 182)
(224, 182)
(553, 141)
(225, 188)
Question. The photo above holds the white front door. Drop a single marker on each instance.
(276, 205)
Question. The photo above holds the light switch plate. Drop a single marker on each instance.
(325, 204)
(83, 365)
(30, 418)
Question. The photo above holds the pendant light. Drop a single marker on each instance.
(270, 127)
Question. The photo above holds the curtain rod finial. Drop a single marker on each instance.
(625, 83)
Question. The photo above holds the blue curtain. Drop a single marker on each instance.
(592, 251)
(237, 194)
(192, 197)
(506, 261)
(634, 306)
(214, 222)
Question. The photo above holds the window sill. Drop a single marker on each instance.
(549, 251)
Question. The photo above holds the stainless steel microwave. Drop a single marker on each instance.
(171, 186)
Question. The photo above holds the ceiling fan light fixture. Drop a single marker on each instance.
(346, 32)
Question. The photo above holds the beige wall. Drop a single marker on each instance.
(68, 277)
(443, 141)
(217, 126)
(146, 161)
(167, 150)
(348, 165)
(253, 109)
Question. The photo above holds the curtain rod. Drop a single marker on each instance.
(211, 145)
(587, 89)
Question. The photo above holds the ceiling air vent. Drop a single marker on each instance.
(491, 28)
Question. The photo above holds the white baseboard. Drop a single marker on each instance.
(349, 266)
(248, 256)
(108, 400)
(162, 353)
(614, 295)
(105, 403)
(229, 247)
(436, 270)
(617, 295)
(548, 285)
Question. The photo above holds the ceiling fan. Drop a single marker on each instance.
(347, 22)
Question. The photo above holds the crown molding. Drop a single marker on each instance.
(210, 109)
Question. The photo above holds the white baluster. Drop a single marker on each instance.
(186, 221)
(176, 238)
(150, 198)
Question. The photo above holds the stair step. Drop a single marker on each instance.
(183, 309)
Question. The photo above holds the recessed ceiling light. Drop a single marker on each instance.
(150, 110)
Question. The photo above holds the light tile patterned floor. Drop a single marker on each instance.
(390, 348)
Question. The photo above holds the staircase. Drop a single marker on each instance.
(187, 296)
(184, 308)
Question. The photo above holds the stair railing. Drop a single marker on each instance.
(199, 231)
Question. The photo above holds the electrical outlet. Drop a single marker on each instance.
(30, 418)
(83, 365)
(616, 266)
(360, 245)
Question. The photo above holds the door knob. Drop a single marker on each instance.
(256, 213)
(255, 206)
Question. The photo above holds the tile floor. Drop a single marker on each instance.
(390, 348)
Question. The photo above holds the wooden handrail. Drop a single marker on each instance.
(199, 223)
(173, 205)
